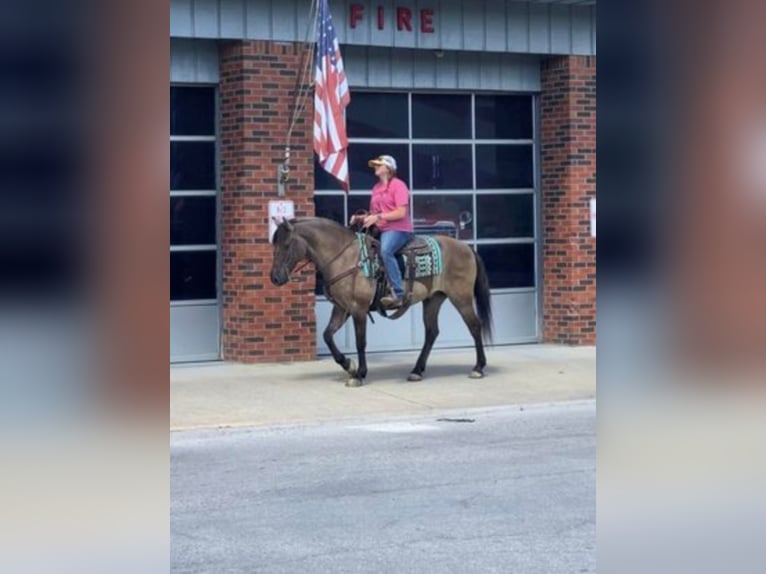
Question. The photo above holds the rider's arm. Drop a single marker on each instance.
(397, 213)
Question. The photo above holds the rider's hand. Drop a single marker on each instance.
(369, 221)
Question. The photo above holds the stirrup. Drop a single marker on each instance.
(389, 300)
(402, 309)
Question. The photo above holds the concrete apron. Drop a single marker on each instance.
(223, 394)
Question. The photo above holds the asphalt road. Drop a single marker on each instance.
(512, 491)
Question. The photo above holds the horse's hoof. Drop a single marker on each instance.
(476, 375)
(415, 377)
(351, 368)
(354, 382)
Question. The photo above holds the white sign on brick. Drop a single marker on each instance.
(278, 211)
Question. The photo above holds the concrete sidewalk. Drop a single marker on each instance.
(228, 394)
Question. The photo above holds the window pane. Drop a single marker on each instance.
(441, 116)
(363, 176)
(377, 116)
(192, 165)
(192, 220)
(504, 117)
(446, 215)
(331, 207)
(192, 275)
(509, 265)
(192, 111)
(357, 202)
(504, 166)
(442, 166)
(505, 215)
(322, 179)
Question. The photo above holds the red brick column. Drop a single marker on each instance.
(261, 322)
(568, 134)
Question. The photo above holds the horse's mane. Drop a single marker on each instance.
(320, 223)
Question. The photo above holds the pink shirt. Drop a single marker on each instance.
(386, 199)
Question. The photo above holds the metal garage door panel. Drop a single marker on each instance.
(194, 332)
(514, 322)
(384, 335)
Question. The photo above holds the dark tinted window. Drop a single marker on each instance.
(322, 179)
(192, 111)
(504, 117)
(192, 275)
(357, 202)
(507, 215)
(441, 116)
(331, 207)
(504, 166)
(192, 165)
(446, 214)
(363, 176)
(442, 166)
(192, 220)
(377, 116)
(509, 265)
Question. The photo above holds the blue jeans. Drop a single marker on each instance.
(391, 242)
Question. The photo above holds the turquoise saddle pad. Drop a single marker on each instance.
(426, 265)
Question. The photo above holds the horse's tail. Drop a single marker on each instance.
(482, 295)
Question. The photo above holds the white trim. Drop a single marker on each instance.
(185, 248)
(433, 141)
(504, 241)
(193, 138)
(496, 290)
(193, 193)
(513, 290)
(194, 302)
(445, 192)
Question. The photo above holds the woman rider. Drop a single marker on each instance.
(390, 211)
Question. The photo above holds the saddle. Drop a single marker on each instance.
(419, 257)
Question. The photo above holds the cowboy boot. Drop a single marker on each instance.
(392, 301)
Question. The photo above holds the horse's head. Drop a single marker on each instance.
(289, 249)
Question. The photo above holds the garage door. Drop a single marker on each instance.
(470, 160)
(194, 276)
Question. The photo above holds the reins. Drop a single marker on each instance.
(320, 267)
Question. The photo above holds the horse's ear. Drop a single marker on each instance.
(288, 225)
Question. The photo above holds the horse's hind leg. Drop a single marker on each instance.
(360, 329)
(337, 319)
(465, 308)
(431, 307)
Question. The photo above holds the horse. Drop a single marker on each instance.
(335, 252)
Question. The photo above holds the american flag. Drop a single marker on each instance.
(331, 96)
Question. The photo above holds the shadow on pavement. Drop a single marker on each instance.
(399, 372)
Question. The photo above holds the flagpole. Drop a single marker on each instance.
(302, 91)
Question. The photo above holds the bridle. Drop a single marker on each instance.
(322, 267)
(327, 284)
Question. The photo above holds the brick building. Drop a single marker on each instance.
(489, 108)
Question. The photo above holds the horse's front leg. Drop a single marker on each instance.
(337, 319)
(360, 329)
